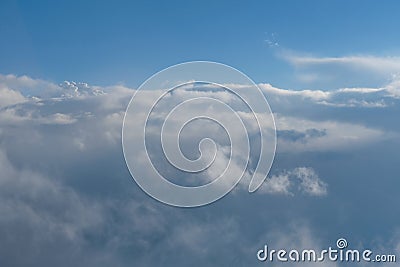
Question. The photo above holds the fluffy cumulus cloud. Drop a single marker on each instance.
(301, 179)
(10, 97)
(66, 197)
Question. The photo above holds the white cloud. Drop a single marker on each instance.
(384, 65)
(15, 115)
(10, 97)
(38, 88)
(310, 183)
(28, 86)
(311, 94)
(300, 179)
(360, 90)
(357, 103)
(93, 119)
(278, 184)
(343, 71)
(393, 88)
(308, 135)
(356, 97)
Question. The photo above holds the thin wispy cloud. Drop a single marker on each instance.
(335, 72)
(381, 65)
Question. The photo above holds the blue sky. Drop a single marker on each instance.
(329, 69)
(128, 41)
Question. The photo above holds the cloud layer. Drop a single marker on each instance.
(67, 198)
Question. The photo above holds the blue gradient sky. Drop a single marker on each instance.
(127, 41)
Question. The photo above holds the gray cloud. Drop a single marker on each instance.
(66, 197)
(42, 219)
